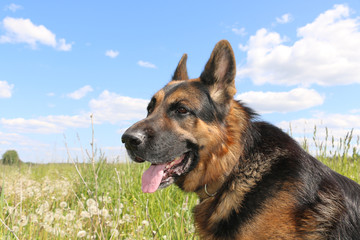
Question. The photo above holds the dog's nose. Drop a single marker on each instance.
(132, 139)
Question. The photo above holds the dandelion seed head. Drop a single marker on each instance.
(78, 224)
(81, 234)
(93, 210)
(23, 221)
(48, 228)
(127, 218)
(49, 217)
(105, 213)
(69, 217)
(114, 233)
(33, 218)
(91, 202)
(145, 223)
(85, 214)
(63, 204)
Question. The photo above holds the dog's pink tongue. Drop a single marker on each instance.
(151, 178)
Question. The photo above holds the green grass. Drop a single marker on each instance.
(100, 200)
(120, 209)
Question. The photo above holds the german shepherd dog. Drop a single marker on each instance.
(253, 180)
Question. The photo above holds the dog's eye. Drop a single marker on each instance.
(181, 110)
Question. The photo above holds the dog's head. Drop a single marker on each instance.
(184, 123)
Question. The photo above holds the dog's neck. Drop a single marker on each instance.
(209, 190)
(233, 130)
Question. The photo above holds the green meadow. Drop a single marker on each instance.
(101, 200)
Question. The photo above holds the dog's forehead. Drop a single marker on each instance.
(179, 90)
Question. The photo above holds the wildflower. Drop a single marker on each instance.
(105, 213)
(63, 204)
(85, 214)
(114, 233)
(15, 228)
(127, 218)
(48, 228)
(69, 217)
(23, 221)
(145, 223)
(49, 217)
(93, 210)
(110, 223)
(58, 214)
(78, 224)
(81, 234)
(90, 202)
(80, 205)
(33, 218)
(118, 211)
(43, 208)
(11, 210)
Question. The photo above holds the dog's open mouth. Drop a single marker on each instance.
(162, 175)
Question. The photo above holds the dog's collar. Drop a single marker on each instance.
(209, 190)
(207, 193)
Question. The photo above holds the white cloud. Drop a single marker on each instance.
(239, 31)
(243, 47)
(10, 139)
(107, 108)
(80, 93)
(6, 89)
(19, 30)
(114, 108)
(13, 7)
(355, 110)
(284, 18)
(146, 64)
(111, 53)
(338, 125)
(45, 125)
(326, 53)
(63, 46)
(294, 100)
(330, 130)
(50, 94)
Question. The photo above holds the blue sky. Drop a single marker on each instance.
(61, 61)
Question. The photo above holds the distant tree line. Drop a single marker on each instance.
(10, 157)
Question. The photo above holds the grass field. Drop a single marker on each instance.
(100, 200)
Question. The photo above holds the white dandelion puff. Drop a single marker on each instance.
(63, 204)
(23, 221)
(93, 210)
(81, 234)
(69, 217)
(127, 218)
(49, 217)
(85, 214)
(91, 202)
(145, 223)
(114, 233)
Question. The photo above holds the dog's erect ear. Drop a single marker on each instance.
(181, 71)
(219, 73)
